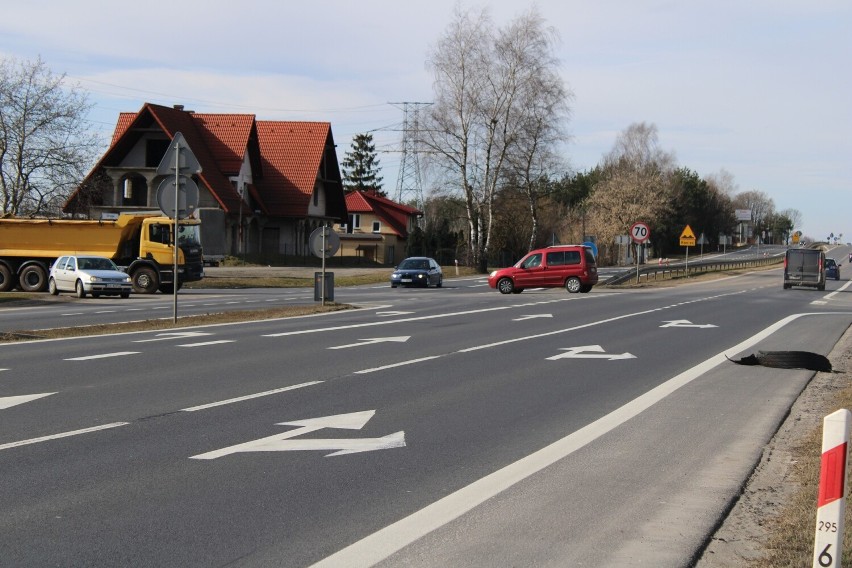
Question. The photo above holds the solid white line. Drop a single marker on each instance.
(203, 343)
(103, 356)
(389, 540)
(62, 435)
(249, 397)
(403, 363)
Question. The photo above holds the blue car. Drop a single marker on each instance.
(832, 270)
(417, 271)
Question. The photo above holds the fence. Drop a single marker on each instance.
(668, 271)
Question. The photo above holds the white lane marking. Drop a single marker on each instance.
(103, 356)
(205, 343)
(73, 314)
(10, 401)
(841, 289)
(62, 435)
(382, 544)
(401, 364)
(174, 335)
(249, 396)
(372, 340)
(421, 318)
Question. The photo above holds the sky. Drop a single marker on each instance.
(760, 89)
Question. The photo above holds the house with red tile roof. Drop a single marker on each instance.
(377, 228)
(264, 185)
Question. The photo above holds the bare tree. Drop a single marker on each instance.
(634, 183)
(45, 147)
(485, 104)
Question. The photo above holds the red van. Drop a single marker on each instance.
(571, 266)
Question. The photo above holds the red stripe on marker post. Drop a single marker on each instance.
(832, 475)
(831, 503)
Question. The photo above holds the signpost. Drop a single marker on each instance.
(640, 233)
(184, 164)
(687, 239)
(324, 243)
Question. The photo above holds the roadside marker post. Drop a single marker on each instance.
(831, 504)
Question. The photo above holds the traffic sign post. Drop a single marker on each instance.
(183, 163)
(324, 243)
(640, 233)
(831, 503)
(687, 239)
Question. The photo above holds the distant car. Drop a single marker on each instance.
(417, 271)
(83, 275)
(570, 266)
(832, 270)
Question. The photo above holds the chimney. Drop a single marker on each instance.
(178, 107)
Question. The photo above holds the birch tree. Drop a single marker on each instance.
(45, 146)
(488, 98)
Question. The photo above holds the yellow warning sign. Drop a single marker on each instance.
(687, 237)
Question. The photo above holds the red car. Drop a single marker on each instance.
(570, 266)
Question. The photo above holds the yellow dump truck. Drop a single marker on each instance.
(141, 243)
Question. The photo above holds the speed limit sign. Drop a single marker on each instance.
(640, 233)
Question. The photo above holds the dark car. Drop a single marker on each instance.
(804, 267)
(417, 271)
(832, 270)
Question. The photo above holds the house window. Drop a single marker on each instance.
(355, 221)
(377, 226)
(155, 151)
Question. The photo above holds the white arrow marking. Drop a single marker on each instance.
(582, 353)
(173, 335)
(393, 313)
(205, 343)
(283, 443)
(687, 323)
(10, 401)
(362, 342)
(522, 318)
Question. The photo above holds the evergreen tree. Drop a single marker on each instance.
(361, 166)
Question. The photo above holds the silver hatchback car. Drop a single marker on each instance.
(83, 275)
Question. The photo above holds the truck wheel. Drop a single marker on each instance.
(145, 281)
(33, 278)
(7, 281)
(81, 292)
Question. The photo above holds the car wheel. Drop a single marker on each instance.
(125, 294)
(573, 285)
(51, 287)
(145, 281)
(440, 281)
(81, 292)
(505, 285)
(393, 285)
(33, 278)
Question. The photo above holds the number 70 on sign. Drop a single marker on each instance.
(639, 232)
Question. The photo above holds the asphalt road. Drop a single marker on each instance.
(440, 427)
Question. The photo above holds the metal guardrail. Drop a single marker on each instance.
(651, 273)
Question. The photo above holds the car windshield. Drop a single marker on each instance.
(95, 264)
(829, 262)
(414, 264)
